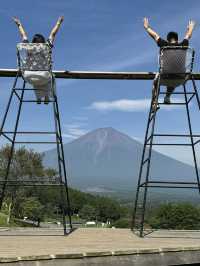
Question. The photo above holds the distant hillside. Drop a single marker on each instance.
(107, 160)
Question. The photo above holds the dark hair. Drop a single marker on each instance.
(38, 38)
(172, 35)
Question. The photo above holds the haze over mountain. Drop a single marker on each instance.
(108, 159)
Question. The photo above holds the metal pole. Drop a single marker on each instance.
(196, 92)
(9, 102)
(12, 147)
(141, 167)
(151, 118)
(149, 161)
(191, 137)
(64, 167)
(59, 141)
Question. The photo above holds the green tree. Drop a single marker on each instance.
(88, 212)
(176, 216)
(26, 165)
(108, 209)
(33, 209)
(123, 223)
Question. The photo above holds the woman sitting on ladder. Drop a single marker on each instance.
(40, 80)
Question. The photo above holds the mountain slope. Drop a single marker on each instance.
(108, 158)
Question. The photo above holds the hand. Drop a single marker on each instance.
(16, 20)
(60, 20)
(191, 24)
(146, 23)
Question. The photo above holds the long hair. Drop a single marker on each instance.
(38, 38)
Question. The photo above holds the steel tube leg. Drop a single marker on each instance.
(141, 165)
(8, 105)
(151, 119)
(12, 148)
(195, 90)
(149, 161)
(64, 167)
(60, 143)
(191, 137)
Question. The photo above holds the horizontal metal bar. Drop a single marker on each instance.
(35, 101)
(95, 75)
(181, 93)
(161, 103)
(154, 186)
(173, 182)
(169, 144)
(29, 132)
(28, 181)
(175, 135)
(144, 184)
(35, 142)
(32, 185)
(26, 89)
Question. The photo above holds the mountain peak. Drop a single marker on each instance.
(106, 157)
(105, 136)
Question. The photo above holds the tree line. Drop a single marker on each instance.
(43, 203)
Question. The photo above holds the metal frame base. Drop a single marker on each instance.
(10, 136)
(144, 180)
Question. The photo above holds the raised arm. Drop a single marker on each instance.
(55, 29)
(21, 29)
(190, 28)
(150, 31)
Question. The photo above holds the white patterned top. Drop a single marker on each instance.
(34, 56)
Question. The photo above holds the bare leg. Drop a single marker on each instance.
(168, 95)
(47, 93)
(38, 94)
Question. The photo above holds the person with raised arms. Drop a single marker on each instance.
(40, 80)
(171, 40)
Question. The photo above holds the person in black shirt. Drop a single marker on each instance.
(172, 40)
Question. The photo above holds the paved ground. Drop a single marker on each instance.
(29, 242)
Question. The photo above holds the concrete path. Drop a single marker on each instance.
(34, 242)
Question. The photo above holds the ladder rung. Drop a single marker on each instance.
(25, 89)
(35, 101)
(147, 160)
(168, 186)
(175, 135)
(161, 103)
(30, 132)
(178, 93)
(35, 142)
(169, 144)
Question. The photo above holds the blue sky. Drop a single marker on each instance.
(104, 35)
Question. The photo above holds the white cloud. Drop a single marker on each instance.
(126, 105)
(121, 105)
(74, 131)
